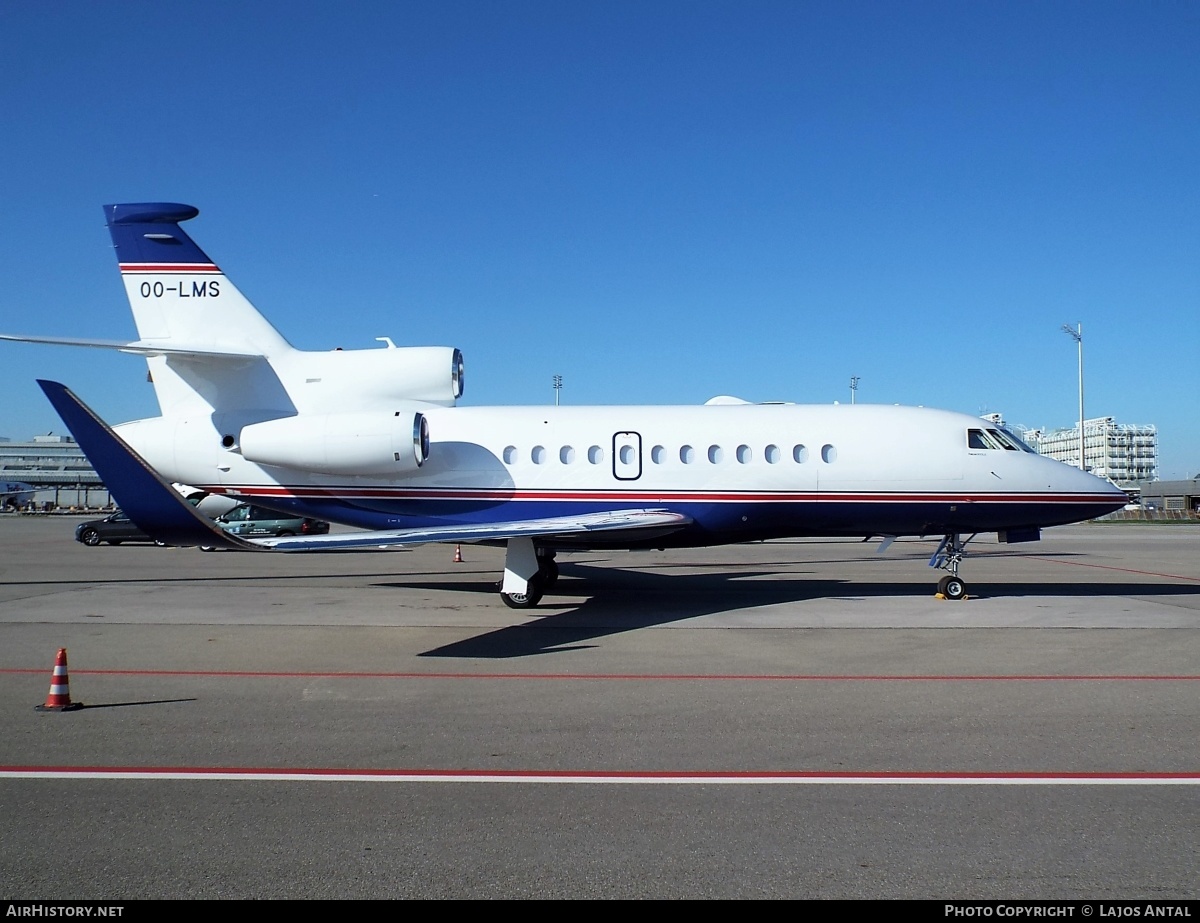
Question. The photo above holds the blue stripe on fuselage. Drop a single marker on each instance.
(713, 522)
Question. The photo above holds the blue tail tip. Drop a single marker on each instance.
(149, 213)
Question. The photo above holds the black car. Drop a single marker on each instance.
(113, 530)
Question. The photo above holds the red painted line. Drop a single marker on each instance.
(1123, 570)
(646, 497)
(641, 677)
(168, 267)
(546, 775)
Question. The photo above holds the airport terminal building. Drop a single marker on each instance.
(57, 467)
(1174, 499)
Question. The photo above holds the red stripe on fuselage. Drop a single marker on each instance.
(433, 493)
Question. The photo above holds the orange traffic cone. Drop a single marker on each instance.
(59, 698)
(458, 554)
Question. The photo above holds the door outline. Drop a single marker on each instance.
(627, 456)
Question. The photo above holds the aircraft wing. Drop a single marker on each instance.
(554, 527)
(162, 512)
(153, 504)
(137, 347)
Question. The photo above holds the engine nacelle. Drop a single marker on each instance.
(364, 443)
(325, 382)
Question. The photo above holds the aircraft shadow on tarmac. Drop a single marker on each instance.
(594, 602)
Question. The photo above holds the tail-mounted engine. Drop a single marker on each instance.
(325, 382)
(360, 443)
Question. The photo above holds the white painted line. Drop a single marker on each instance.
(614, 778)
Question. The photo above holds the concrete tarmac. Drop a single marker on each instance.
(799, 719)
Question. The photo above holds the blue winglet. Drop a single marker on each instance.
(156, 507)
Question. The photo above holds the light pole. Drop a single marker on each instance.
(853, 387)
(1076, 333)
(557, 388)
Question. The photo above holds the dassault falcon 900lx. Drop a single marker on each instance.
(372, 438)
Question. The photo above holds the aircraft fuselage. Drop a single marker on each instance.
(740, 471)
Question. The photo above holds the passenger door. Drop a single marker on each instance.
(627, 456)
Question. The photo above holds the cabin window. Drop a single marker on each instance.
(596, 455)
(566, 455)
(687, 454)
(800, 454)
(771, 454)
(744, 455)
(538, 455)
(510, 455)
(715, 454)
(658, 455)
(828, 454)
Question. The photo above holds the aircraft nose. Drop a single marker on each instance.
(1104, 490)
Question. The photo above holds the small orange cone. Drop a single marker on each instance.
(59, 698)
(458, 554)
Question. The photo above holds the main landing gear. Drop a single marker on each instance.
(528, 573)
(948, 557)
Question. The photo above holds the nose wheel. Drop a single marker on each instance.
(948, 557)
(952, 588)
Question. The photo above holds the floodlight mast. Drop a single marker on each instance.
(1076, 333)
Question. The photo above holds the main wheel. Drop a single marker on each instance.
(90, 537)
(548, 572)
(952, 588)
(527, 600)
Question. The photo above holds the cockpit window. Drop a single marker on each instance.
(998, 439)
(1012, 441)
(982, 439)
(1004, 440)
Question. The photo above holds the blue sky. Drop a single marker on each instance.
(659, 201)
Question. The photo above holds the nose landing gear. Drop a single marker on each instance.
(948, 557)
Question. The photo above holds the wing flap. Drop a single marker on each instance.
(565, 527)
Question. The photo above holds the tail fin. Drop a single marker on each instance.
(182, 302)
(215, 362)
(178, 295)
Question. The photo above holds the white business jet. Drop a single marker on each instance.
(372, 438)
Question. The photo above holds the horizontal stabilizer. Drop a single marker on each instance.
(137, 347)
(155, 506)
